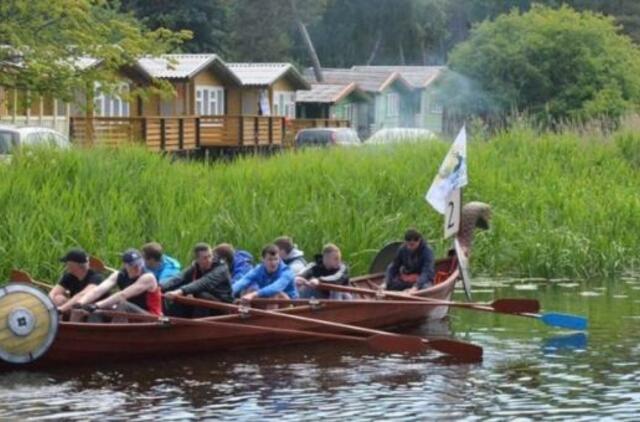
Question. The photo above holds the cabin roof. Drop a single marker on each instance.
(374, 81)
(418, 76)
(186, 66)
(329, 93)
(266, 74)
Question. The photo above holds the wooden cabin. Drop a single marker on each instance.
(334, 102)
(399, 96)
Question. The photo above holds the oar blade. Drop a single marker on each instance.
(516, 306)
(395, 343)
(571, 322)
(464, 352)
(20, 276)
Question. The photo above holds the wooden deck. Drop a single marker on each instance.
(189, 133)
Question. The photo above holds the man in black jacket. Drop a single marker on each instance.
(207, 277)
(328, 269)
(413, 267)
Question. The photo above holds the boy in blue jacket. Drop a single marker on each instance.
(271, 278)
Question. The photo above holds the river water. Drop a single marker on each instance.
(530, 372)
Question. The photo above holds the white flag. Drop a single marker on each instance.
(452, 174)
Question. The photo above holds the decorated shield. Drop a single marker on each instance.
(28, 323)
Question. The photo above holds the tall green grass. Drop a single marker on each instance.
(563, 206)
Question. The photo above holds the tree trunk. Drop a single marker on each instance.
(401, 52)
(376, 47)
(315, 61)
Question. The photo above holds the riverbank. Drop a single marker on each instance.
(564, 205)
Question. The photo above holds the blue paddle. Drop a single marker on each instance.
(571, 322)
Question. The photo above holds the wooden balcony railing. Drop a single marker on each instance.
(188, 133)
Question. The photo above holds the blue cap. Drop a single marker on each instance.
(131, 256)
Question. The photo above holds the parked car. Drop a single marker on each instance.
(400, 135)
(327, 136)
(12, 137)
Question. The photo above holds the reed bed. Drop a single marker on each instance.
(564, 205)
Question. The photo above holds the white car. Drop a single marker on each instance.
(400, 135)
(12, 137)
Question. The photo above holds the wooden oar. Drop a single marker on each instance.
(462, 351)
(515, 307)
(505, 306)
(502, 306)
(24, 277)
(378, 342)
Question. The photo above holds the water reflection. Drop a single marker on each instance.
(530, 370)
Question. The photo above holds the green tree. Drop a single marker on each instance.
(208, 20)
(44, 45)
(552, 63)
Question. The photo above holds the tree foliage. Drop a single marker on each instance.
(42, 44)
(553, 63)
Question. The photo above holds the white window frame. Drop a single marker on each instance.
(209, 100)
(111, 105)
(435, 107)
(393, 104)
(284, 104)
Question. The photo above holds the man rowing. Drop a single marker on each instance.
(290, 254)
(207, 277)
(138, 289)
(329, 269)
(413, 266)
(77, 280)
(159, 263)
(270, 279)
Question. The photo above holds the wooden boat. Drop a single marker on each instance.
(86, 343)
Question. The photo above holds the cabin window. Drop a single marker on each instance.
(435, 107)
(209, 100)
(393, 104)
(111, 105)
(284, 103)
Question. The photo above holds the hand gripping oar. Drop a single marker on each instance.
(502, 306)
(518, 307)
(378, 342)
(463, 351)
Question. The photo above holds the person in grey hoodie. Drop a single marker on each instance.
(290, 254)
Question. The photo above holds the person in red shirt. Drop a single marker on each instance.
(139, 290)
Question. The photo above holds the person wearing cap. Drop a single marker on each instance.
(77, 280)
(207, 278)
(290, 254)
(139, 290)
(272, 278)
(163, 267)
(413, 266)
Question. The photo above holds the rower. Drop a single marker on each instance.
(139, 290)
(207, 277)
(327, 268)
(272, 278)
(413, 266)
(290, 254)
(239, 262)
(77, 280)
(159, 263)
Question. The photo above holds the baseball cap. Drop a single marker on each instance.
(131, 256)
(75, 255)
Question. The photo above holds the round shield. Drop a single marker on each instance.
(28, 323)
(463, 264)
(384, 258)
